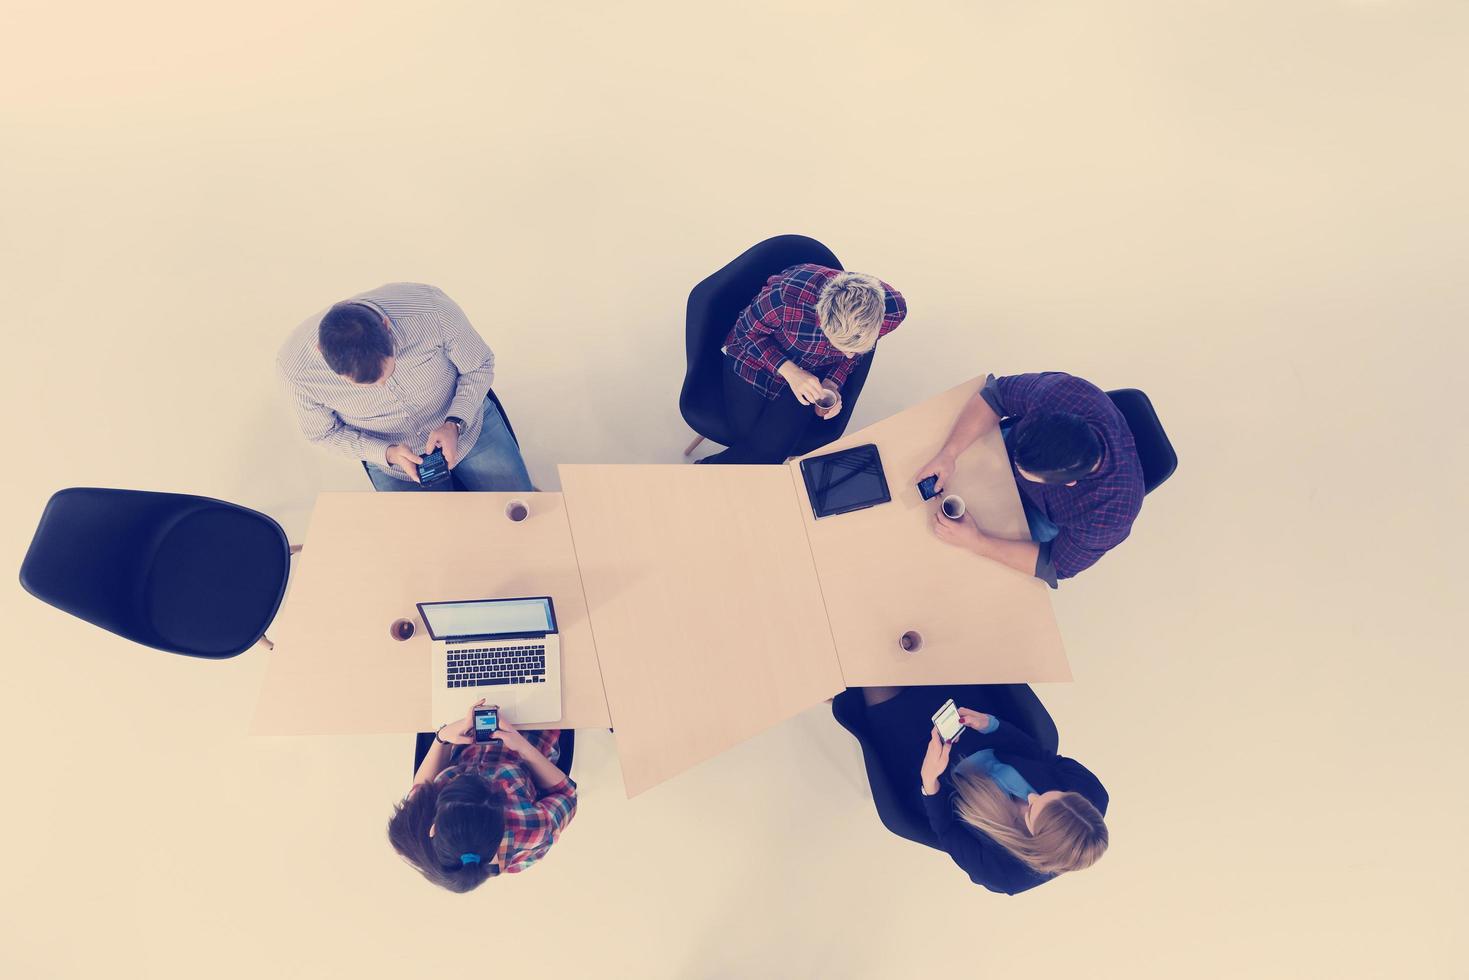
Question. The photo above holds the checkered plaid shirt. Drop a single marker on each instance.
(780, 325)
(1096, 515)
(534, 818)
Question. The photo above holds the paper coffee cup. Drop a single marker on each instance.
(953, 506)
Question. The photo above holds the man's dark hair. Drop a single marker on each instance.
(1057, 447)
(354, 341)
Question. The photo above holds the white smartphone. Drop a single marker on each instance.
(946, 720)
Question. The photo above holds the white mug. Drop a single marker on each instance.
(953, 506)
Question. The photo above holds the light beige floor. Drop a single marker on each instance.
(1255, 211)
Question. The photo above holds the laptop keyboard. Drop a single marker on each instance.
(489, 666)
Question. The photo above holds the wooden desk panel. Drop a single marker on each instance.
(883, 571)
(705, 605)
(367, 559)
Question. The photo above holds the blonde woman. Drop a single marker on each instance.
(802, 334)
(1008, 810)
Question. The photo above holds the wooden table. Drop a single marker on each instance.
(368, 558)
(705, 605)
(883, 572)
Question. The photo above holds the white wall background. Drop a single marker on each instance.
(1256, 212)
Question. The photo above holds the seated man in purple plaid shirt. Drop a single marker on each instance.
(791, 350)
(1075, 463)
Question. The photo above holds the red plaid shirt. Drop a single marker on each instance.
(780, 325)
(534, 818)
(1096, 515)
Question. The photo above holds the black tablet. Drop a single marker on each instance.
(844, 481)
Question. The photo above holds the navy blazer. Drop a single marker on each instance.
(985, 861)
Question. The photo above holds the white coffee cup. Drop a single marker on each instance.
(517, 510)
(953, 506)
(910, 642)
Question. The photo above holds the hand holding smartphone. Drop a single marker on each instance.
(487, 722)
(946, 720)
(433, 472)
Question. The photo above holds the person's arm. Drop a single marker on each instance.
(1001, 734)
(324, 427)
(456, 732)
(758, 327)
(1023, 556)
(976, 419)
(471, 357)
(542, 770)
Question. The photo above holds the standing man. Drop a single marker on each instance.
(394, 373)
(1075, 462)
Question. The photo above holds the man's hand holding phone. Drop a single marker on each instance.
(404, 458)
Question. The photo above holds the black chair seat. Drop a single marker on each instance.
(184, 574)
(1154, 450)
(901, 813)
(713, 307)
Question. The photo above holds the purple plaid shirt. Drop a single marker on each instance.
(780, 325)
(1096, 515)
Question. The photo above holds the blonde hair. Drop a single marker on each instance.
(1069, 833)
(850, 309)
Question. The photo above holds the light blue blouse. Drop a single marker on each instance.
(985, 763)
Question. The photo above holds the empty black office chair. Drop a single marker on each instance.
(508, 428)
(901, 813)
(175, 572)
(1153, 448)
(567, 742)
(714, 305)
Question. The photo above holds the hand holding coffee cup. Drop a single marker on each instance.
(829, 405)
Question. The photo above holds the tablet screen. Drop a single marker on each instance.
(844, 481)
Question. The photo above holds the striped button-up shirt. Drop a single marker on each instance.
(442, 368)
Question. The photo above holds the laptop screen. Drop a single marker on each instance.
(488, 617)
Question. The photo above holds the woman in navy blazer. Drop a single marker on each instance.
(1007, 809)
(1010, 812)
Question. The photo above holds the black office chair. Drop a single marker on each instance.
(179, 573)
(508, 428)
(1153, 448)
(714, 305)
(567, 743)
(901, 813)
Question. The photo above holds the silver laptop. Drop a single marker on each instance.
(506, 651)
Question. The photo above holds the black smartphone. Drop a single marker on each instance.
(433, 472)
(486, 723)
(928, 487)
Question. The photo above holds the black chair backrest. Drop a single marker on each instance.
(1153, 448)
(184, 574)
(714, 305)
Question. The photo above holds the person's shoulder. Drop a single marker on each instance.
(802, 283)
(401, 298)
(1074, 777)
(297, 351)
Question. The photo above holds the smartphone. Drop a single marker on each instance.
(928, 487)
(433, 472)
(487, 722)
(946, 720)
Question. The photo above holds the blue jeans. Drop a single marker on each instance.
(494, 463)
